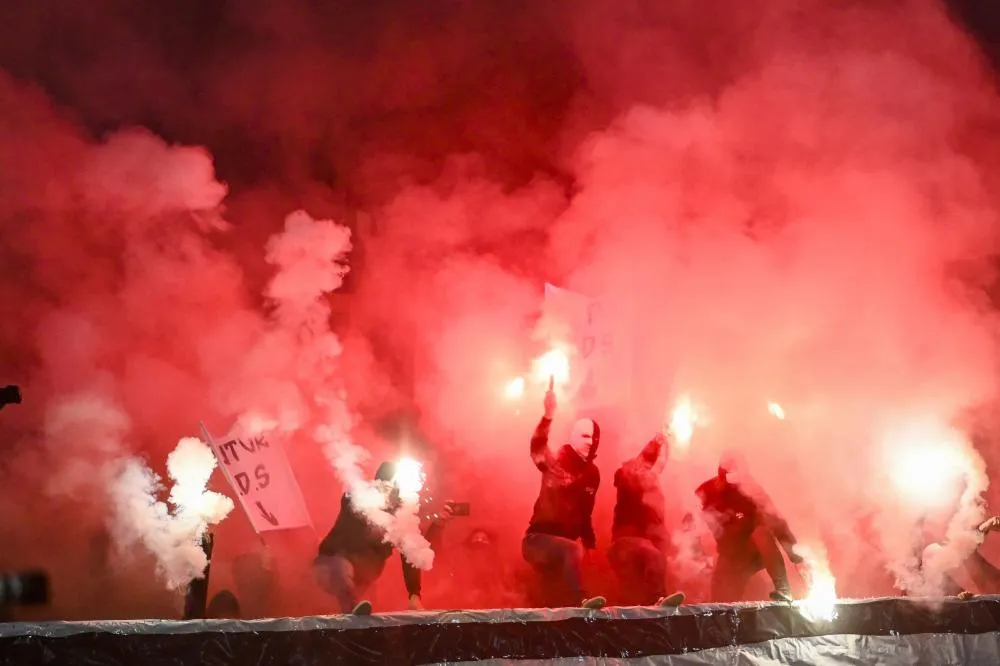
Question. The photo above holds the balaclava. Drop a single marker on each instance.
(585, 438)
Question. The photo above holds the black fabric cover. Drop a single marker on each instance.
(884, 631)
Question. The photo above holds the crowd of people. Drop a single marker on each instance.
(750, 534)
(560, 534)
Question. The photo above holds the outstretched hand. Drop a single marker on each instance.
(550, 399)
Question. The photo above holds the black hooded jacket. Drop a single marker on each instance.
(565, 504)
(354, 537)
(734, 513)
(641, 508)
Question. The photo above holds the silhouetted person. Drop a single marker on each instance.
(640, 544)
(354, 553)
(747, 532)
(563, 515)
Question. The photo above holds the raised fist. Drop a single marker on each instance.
(550, 399)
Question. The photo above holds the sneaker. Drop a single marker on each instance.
(363, 608)
(594, 603)
(675, 599)
(781, 597)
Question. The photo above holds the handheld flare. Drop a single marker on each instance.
(553, 365)
(820, 603)
(409, 477)
(927, 474)
(514, 389)
(682, 421)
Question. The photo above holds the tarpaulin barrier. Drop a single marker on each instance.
(882, 631)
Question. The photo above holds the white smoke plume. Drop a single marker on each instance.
(311, 261)
(172, 536)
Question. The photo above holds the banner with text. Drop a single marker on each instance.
(602, 365)
(258, 471)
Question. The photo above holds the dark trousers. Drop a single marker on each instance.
(739, 561)
(984, 575)
(347, 577)
(558, 558)
(641, 570)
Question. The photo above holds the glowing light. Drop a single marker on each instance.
(553, 363)
(777, 411)
(820, 602)
(682, 421)
(409, 477)
(927, 474)
(514, 389)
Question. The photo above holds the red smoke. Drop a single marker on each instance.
(777, 202)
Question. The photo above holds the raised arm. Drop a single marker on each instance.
(540, 453)
(653, 450)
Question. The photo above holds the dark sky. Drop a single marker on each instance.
(297, 91)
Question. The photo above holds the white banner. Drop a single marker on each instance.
(599, 365)
(258, 471)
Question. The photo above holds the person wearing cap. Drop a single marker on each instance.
(353, 554)
(639, 542)
(561, 525)
(747, 531)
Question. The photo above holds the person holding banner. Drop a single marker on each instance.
(353, 554)
(563, 513)
(639, 547)
(747, 531)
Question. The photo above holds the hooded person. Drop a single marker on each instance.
(640, 545)
(747, 531)
(353, 554)
(561, 524)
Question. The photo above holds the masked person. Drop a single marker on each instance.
(354, 553)
(640, 545)
(563, 515)
(985, 577)
(747, 531)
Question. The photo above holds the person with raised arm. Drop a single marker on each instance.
(561, 526)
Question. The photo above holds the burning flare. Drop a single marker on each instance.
(409, 477)
(682, 421)
(552, 364)
(514, 389)
(820, 603)
(926, 470)
(777, 411)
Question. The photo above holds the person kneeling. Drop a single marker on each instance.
(354, 553)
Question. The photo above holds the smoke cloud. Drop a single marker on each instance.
(174, 534)
(773, 202)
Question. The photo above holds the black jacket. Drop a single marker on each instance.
(354, 537)
(565, 503)
(640, 509)
(734, 514)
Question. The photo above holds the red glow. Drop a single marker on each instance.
(804, 214)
